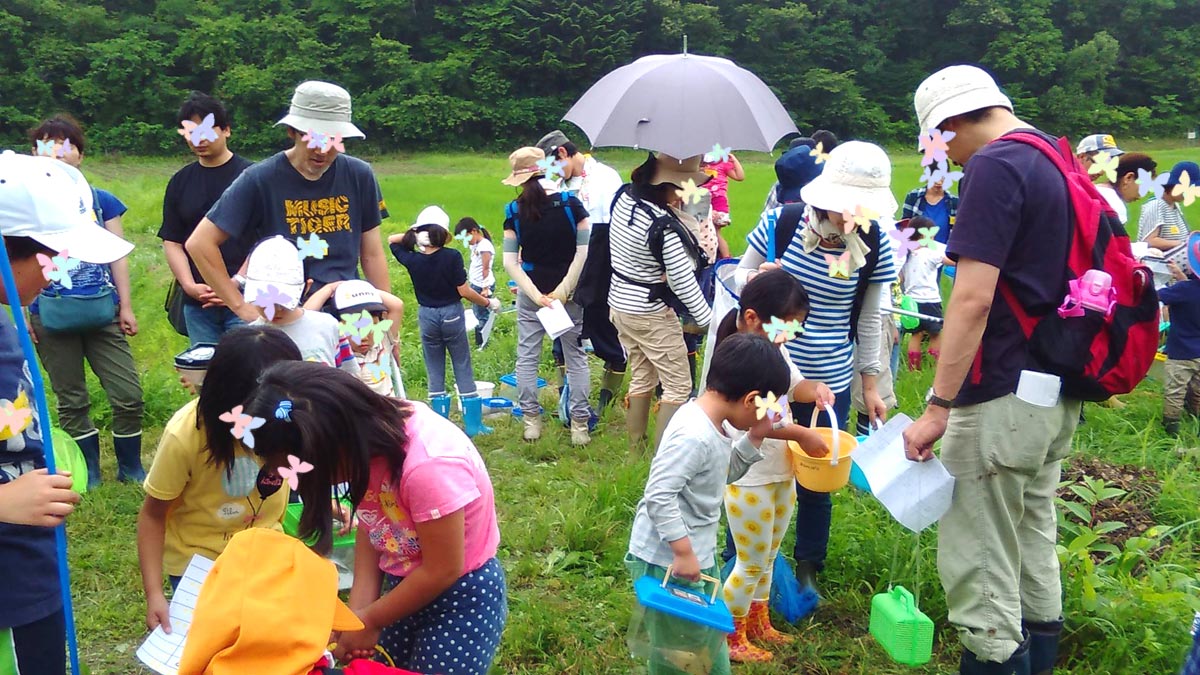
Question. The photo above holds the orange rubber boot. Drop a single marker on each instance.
(758, 626)
(740, 649)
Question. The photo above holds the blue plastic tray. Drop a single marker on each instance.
(511, 380)
(691, 604)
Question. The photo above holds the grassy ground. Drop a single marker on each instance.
(565, 513)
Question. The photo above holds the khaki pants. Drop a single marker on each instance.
(107, 352)
(996, 544)
(1182, 387)
(657, 353)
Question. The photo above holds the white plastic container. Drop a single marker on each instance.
(484, 389)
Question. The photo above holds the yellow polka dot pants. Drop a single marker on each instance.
(758, 517)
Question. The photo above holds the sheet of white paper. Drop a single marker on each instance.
(917, 494)
(486, 332)
(161, 652)
(555, 319)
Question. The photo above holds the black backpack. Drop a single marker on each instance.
(785, 230)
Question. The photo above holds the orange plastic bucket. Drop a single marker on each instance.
(829, 473)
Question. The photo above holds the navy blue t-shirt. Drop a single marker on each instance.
(435, 276)
(1183, 339)
(1015, 215)
(27, 554)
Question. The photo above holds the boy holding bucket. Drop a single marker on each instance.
(675, 528)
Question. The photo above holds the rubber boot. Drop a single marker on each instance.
(610, 384)
(935, 354)
(533, 427)
(806, 574)
(740, 649)
(90, 447)
(1043, 645)
(441, 405)
(692, 370)
(579, 431)
(128, 450)
(758, 626)
(561, 369)
(1171, 426)
(1017, 664)
(473, 417)
(914, 360)
(666, 411)
(637, 418)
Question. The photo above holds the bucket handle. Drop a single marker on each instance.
(703, 577)
(833, 461)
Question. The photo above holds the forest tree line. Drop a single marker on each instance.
(462, 74)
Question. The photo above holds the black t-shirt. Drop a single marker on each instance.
(548, 244)
(1014, 213)
(273, 198)
(435, 276)
(191, 192)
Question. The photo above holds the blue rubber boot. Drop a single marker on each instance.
(90, 447)
(441, 405)
(129, 458)
(473, 416)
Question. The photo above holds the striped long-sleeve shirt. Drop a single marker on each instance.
(631, 258)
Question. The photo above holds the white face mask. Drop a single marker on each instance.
(423, 239)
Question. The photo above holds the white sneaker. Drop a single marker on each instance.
(579, 432)
(533, 427)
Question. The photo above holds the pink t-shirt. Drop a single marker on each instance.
(443, 473)
(719, 185)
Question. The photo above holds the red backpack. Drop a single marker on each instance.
(1097, 353)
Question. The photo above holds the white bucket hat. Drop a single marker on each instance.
(955, 90)
(51, 203)
(321, 107)
(275, 263)
(433, 215)
(855, 174)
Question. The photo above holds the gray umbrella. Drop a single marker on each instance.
(681, 104)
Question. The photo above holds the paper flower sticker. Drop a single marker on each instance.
(551, 166)
(1104, 163)
(864, 216)
(323, 142)
(903, 239)
(1148, 182)
(927, 236)
(313, 247)
(61, 151)
(243, 425)
(12, 418)
(839, 266)
(1186, 189)
(765, 406)
(357, 326)
(376, 372)
(269, 298)
(292, 472)
(283, 411)
(788, 329)
(935, 144)
(819, 153)
(378, 329)
(691, 193)
(45, 148)
(58, 268)
(198, 133)
(940, 172)
(465, 238)
(718, 154)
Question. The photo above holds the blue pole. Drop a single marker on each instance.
(770, 256)
(43, 413)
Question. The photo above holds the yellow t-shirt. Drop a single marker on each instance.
(209, 505)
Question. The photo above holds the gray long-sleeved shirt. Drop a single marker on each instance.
(686, 487)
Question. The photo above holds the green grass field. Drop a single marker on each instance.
(565, 513)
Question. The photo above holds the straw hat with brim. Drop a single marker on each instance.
(51, 203)
(954, 91)
(524, 164)
(268, 606)
(321, 107)
(667, 169)
(855, 174)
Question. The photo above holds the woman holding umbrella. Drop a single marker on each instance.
(844, 260)
(646, 215)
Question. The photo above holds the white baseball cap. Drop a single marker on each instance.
(51, 203)
(321, 107)
(433, 215)
(956, 90)
(275, 262)
(355, 296)
(855, 174)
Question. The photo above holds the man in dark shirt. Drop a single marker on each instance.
(327, 202)
(996, 543)
(191, 192)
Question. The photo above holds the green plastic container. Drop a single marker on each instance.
(291, 526)
(909, 305)
(68, 457)
(903, 629)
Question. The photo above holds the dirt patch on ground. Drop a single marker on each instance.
(1141, 486)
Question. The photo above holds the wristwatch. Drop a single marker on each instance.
(933, 399)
